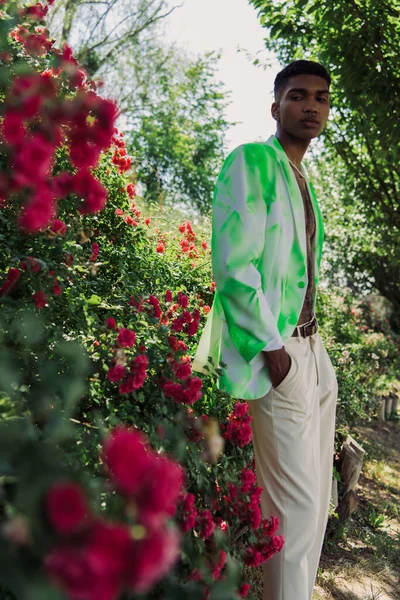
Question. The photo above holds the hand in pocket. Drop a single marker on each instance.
(278, 363)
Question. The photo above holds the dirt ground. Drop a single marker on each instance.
(361, 561)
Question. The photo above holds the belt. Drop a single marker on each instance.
(306, 329)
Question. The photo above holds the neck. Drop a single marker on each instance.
(294, 148)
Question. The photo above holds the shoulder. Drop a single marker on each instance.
(252, 154)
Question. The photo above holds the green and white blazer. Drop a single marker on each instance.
(259, 264)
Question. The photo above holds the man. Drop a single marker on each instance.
(267, 236)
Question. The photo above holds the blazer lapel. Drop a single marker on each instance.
(293, 191)
(319, 225)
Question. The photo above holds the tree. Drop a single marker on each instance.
(103, 30)
(171, 105)
(176, 126)
(357, 41)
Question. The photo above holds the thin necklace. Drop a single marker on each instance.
(298, 170)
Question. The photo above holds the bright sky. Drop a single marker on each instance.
(225, 25)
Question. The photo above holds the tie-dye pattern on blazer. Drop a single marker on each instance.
(259, 265)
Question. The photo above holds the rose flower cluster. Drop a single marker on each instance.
(241, 504)
(183, 387)
(238, 428)
(132, 379)
(39, 114)
(95, 558)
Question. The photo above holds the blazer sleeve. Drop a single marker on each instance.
(239, 218)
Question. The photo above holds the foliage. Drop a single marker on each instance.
(356, 41)
(365, 355)
(176, 132)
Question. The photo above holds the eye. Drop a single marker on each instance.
(323, 99)
(297, 97)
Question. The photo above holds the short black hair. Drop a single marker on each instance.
(299, 67)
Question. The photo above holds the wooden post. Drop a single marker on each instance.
(395, 405)
(382, 409)
(388, 408)
(351, 459)
(334, 492)
(347, 505)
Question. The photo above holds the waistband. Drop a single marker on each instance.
(306, 329)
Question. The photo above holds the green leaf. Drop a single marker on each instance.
(94, 300)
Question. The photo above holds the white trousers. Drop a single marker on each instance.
(293, 437)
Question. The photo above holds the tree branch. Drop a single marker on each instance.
(126, 38)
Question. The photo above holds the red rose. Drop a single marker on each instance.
(182, 370)
(95, 252)
(248, 479)
(111, 323)
(277, 543)
(91, 190)
(183, 300)
(192, 392)
(59, 227)
(158, 496)
(240, 409)
(66, 507)
(12, 277)
(126, 458)
(130, 188)
(13, 128)
(205, 523)
(32, 264)
(244, 590)
(152, 559)
(271, 527)
(83, 154)
(32, 161)
(38, 213)
(57, 289)
(62, 184)
(116, 373)
(40, 299)
(130, 221)
(126, 338)
(97, 568)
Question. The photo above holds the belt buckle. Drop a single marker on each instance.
(312, 324)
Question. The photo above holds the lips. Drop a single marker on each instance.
(313, 121)
(308, 124)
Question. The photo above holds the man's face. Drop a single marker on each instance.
(302, 109)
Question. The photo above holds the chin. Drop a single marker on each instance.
(303, 134)
(307, 135)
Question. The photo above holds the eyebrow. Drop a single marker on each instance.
(304, 91)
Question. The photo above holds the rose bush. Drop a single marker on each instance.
(113, 477)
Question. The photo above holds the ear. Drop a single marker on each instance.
(275, 111)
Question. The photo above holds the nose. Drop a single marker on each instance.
(310, 110)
